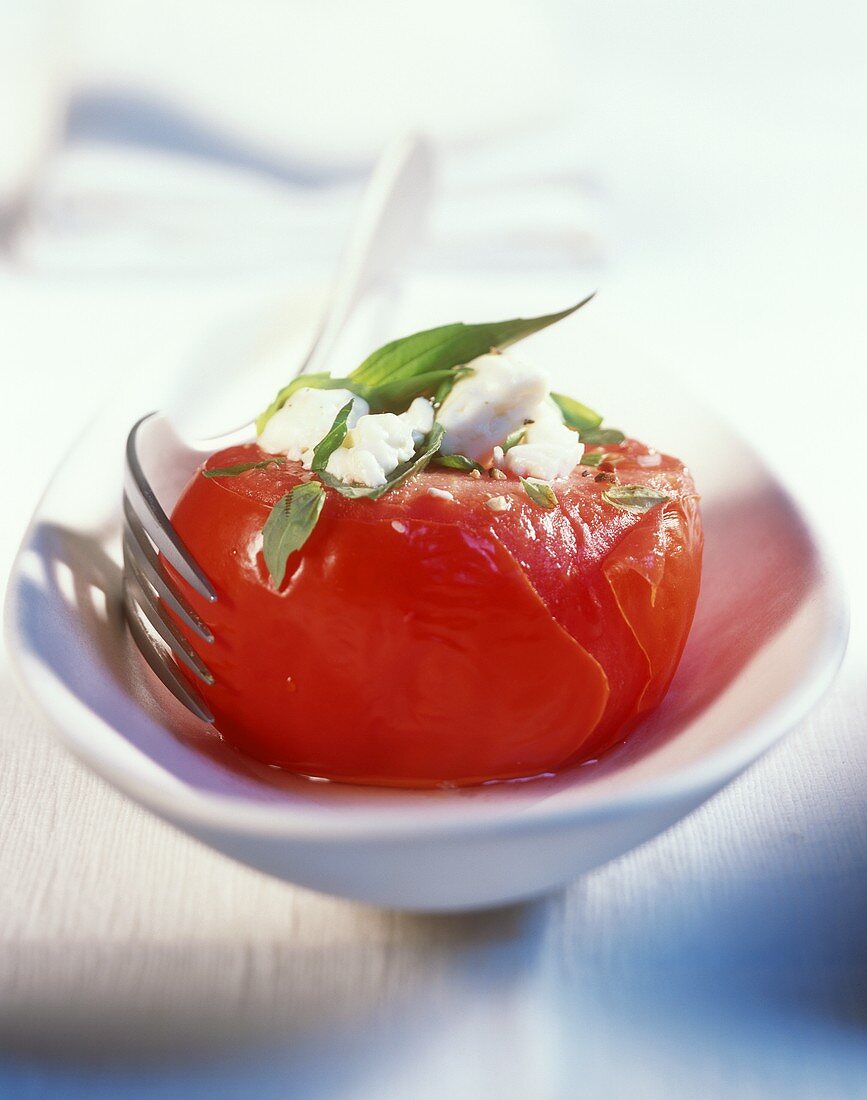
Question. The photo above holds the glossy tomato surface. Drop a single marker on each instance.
(419, 641)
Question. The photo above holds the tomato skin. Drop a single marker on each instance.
(419, 641)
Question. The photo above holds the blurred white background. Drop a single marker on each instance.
(163, 165)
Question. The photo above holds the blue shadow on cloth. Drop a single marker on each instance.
(130, 118)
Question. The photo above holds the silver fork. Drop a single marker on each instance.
(388, 224)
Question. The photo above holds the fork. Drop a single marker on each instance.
(388, 224)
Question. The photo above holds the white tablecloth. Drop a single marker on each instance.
(727, 958)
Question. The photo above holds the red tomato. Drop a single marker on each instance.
(419, 641)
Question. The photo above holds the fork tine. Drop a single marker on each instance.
(156, 523)
(139, 591)
(185, 693)
(139, 546)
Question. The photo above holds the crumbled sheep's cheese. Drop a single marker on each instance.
(501, 395)
(374, 445)
(443, 494)
(548, 449)
(378, 444)
(305, 420)
(498, 504)
(374, 448)
(485, 406)
(420, 417)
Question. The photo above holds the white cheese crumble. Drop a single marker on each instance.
(485, 406)
(420, 417)
(378, 444)
(442, 494)
(372, 450)
(548, 449)
(305, 420)
(374, 446)
(498, 504)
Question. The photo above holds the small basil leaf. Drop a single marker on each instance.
(322, 381)
(353, 492)
(597, 458)
(447, 346)
(457, 462)
(402, 473)
(635, 498)
(540, 492)
(332, 439)
(606, 437)
(241, 468)
(575, 414)
(289, 525)
(513, 439)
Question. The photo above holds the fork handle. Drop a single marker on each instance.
(389, 223)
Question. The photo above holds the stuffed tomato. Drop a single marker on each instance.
(509, 598)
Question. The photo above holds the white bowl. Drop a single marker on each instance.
(769, 634)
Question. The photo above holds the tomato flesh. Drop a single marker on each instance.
(421, 641)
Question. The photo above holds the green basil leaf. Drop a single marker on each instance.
(513, 439)
(289, 525)
(332, 439)
(397, 395)
(457, 462)
(605, 437)
(575, 414)
(406, 470)
(321, 381)
(635, 498)
(447, 346)
(597, 458)
(540, 492)
(241, 468)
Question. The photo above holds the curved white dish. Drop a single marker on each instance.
(769, 634)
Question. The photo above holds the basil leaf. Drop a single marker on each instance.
(289, 525)
(397, 395)
(413, 365)
(321, 381)
(513, 439)
(603, 436)
(597, 458)
(635, 498)
(406, 470)
(457, 462)
(575, 414)
(242, 468)
(332, 439)
(447, 346)
(540, 492)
